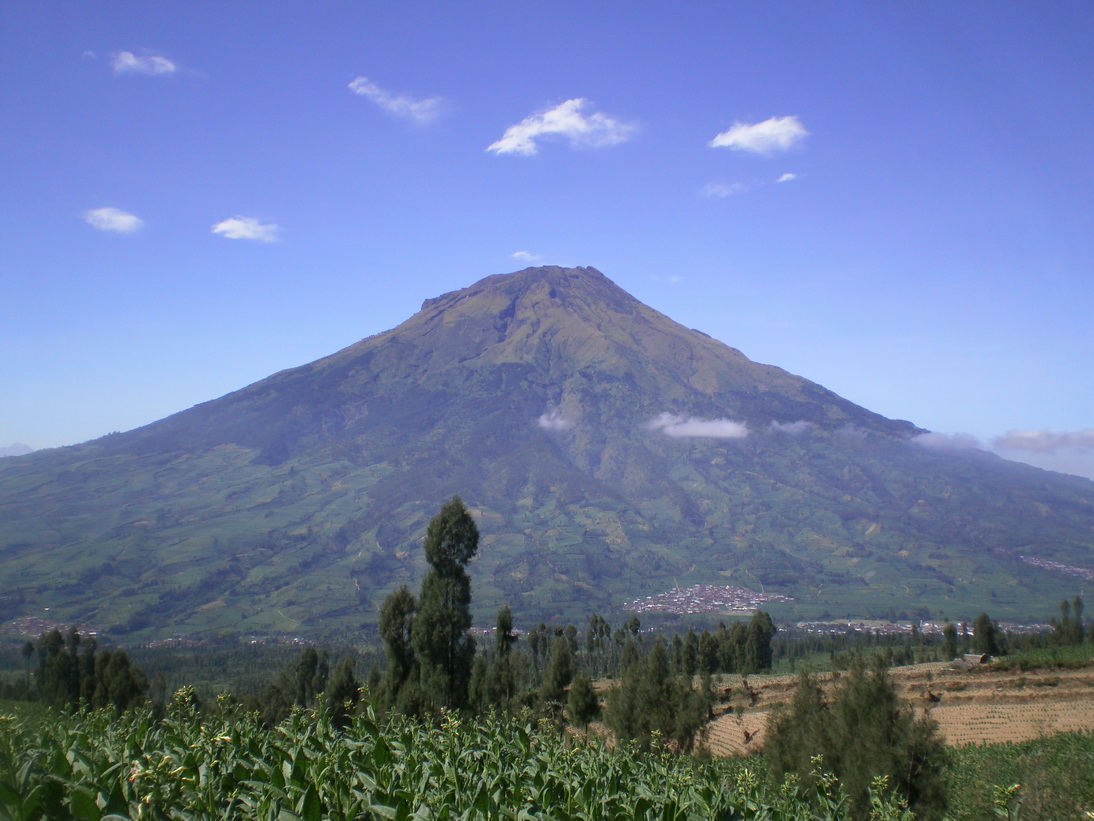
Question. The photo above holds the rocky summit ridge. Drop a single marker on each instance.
(608, 452)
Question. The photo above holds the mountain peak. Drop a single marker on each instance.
(551, 276)
(608, 451)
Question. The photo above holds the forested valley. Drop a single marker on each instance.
(556, 721)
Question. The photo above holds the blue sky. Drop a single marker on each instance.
(895, 200)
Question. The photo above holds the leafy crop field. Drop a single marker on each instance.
(183, 767)
(1049, 778)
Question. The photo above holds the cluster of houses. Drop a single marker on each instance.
(908, 628)
(705, 598)
(1048, 564)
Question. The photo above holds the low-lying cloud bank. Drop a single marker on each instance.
(1045, 441)
(948, 441)
(690, 427)
(1067, 452)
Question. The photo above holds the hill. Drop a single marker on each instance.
(607, 452)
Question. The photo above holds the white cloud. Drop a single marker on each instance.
(946, 441)
(526, 256)
(421, 111)
(1068, 452)
(565, 120)
(787, 177)
(113, 219)
(775, 134)
(721, 190)
(1045, 441)
(246, 228)
(554, 421)
(126, 62)
(672, 425)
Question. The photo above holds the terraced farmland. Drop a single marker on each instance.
(971, 706)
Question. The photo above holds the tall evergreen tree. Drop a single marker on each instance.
(500, 684)
(757, 652)
(985, 638)
(306, 671)
(397, 630)
(582, 705)
(442, 644)
(343, 693)
(28, 653)
(1068, 630)
(560, 670)
(949, 642)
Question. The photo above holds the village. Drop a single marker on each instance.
(704, 598)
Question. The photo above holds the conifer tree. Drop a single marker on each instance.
(864, 732)
(306, 672)
(582, 705)
(985, 637)
(949, 642)
(343, 693)
(500, 680)
(560, 670)
(396, 629)
(444, 649)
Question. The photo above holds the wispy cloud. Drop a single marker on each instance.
(113, 219)
(564, 120)
(247, 228)
(947, 441)
(552, 420)
(126, 62)
(1045, 441)
(526, 256)
(775, 134)
(690, 427)
(421, 111)
(787, 177)
(721, 190)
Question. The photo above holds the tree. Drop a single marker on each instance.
(1069, 629)
(73, 675)
(649, 699)
(560, 671)
(949, 642)
(343, 693)
(691, 653)
(985, 638)
(306, 673)
(863, 733)
(708, 653)
(397, 630)
(800, 731)
(500, 680)
(582, 704)
(28, 652)
(444, 649)
(757, 651)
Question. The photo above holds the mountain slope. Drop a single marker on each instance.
(609, 453)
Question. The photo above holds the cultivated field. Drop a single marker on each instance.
(971, 706)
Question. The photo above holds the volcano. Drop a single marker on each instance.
(607, 453)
